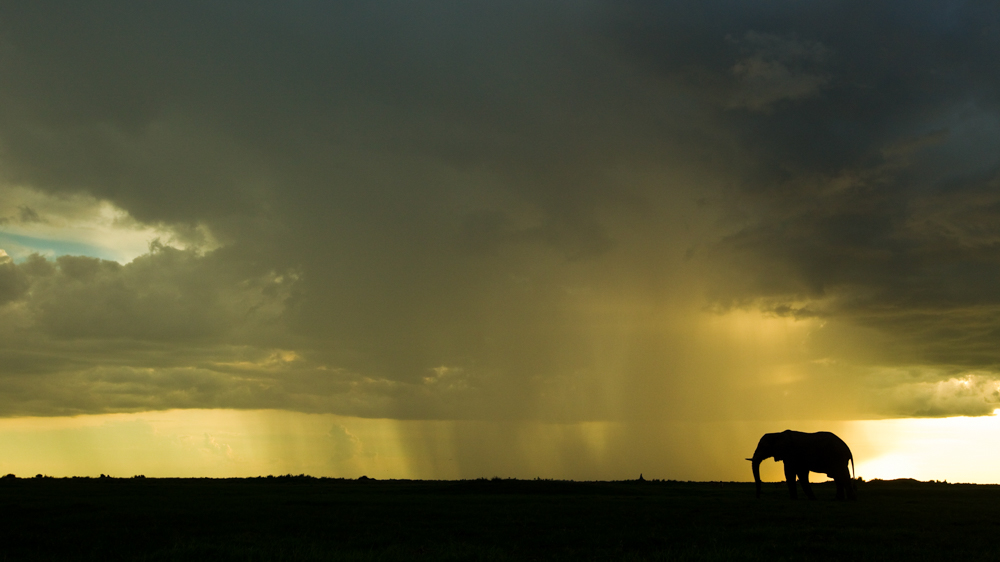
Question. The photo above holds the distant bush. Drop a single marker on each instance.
(10, 476)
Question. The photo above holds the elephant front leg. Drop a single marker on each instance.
(790, 480)
(804, 479)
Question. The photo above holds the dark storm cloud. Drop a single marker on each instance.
(871, 135)
(432, 204)
(292, 87)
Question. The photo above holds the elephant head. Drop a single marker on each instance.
(770, 445)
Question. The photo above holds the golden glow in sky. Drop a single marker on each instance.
(234, 443)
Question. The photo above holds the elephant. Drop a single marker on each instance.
(803, 453)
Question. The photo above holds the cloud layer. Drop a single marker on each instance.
(518, 210)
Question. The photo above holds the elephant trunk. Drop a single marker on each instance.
(755, 465)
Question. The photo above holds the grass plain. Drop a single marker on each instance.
(305, 519)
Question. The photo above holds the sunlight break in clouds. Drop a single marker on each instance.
(33, 222)
(955, 449)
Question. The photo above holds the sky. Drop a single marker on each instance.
(565, 239)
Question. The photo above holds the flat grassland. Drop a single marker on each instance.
(303, 518)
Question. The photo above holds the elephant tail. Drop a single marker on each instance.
(852, 466)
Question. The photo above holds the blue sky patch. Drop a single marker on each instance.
(20, 247)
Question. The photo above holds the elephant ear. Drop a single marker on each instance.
(779, 447)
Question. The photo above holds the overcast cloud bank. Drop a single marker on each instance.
(520, 210)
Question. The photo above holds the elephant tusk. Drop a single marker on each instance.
(749, 459)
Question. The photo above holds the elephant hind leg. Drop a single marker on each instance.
(845, 486)
(850, 487)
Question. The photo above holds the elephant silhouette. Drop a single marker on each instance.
(802, 453)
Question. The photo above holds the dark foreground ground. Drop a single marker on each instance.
(301, 518)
